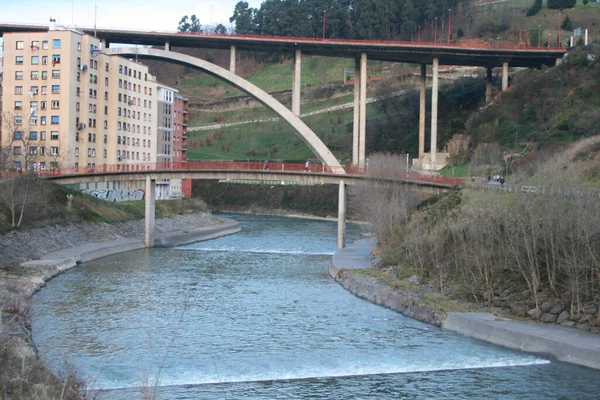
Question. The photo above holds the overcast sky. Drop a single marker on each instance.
(133, 14)
(127, 14)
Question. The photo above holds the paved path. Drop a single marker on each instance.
(569, 345)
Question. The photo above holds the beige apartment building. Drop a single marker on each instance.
(65, 104)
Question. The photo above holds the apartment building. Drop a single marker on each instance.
(66, 104)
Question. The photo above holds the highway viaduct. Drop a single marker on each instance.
(151, 177)
(424, 54)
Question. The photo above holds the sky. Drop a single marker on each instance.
(155, 15)
(132, 14)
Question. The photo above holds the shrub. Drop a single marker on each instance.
(561, 4)
(535, 8)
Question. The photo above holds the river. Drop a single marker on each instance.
(256, 316)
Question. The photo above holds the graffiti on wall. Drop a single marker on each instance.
(116, 194)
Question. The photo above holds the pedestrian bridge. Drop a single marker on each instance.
(278, 171)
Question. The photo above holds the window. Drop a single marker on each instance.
(78, 46)
(18, 105)
(54, 135)
(43, 135)
(55, 104)
(55, 89)
(35, 75)
(44, 89)
(55, 73)
(44, 75)
(33, 120)
(105, 110)
(106, 67)
(33, 150)
(91, 93)
(120, 81)
(19, 60)
(78, 61)
(18, 135)
(55, 59)
(78, 76)
(43, 120)
(105, 137)
(44, 60)
(43, 105)
(20, 45)
(18, 89)
(19, 75)
(78, 92)
(17, 150)
(105, 125)
(35, 60)
(42, 163)
(33, 105)
(76, 151)
(45, 44)
(77, 104)
(95, 67)
(54, 119)
(35, 45)
(54, 150)
(33, 135)
(125, 70)
(56, 43)
(105, 81)
(104, 153)
(18, 120)
(33, 90)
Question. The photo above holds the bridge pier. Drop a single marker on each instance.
(488, 86)
(422, 105)
(150, 202)
(297, 83)
(356, 113)
(167, 46)
(341, 236)
(363, 110)
(504, 76)
(232, 59)
(434, 113)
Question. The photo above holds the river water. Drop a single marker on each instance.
(256, 316)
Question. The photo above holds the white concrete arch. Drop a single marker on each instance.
(307, 135)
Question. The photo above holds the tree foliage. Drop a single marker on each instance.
(535, 8)
(191, 24)
(365, 19)
(561, 4)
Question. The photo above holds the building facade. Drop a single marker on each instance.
(180, 115)
(65, 104)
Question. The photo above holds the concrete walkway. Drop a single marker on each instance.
(568, 345)
(68, 258)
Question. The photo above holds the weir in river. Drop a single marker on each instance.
(256, 315)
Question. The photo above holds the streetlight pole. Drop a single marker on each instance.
(449, 24)
(324, 19)
(419, 34)
(558, 36)
(539, 35)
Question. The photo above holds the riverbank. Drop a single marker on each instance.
(46, 252)
(350, 268)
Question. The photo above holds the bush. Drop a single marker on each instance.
(567, 24)
(561, 4)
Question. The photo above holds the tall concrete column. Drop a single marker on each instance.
(149, 215)
(297, 83)
(488, 86)
(504, 76)
(356, 111)
(341, 238)
(422, 101)
(232, 59)
(167, 46)
(363, 110)
(434, 112)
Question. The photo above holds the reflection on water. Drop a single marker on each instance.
(255, 315)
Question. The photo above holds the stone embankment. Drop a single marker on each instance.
(577, 346)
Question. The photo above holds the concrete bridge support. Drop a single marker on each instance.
(363, 110)
(232, 59)
(356, 112)
(167, 46)
(341, 237)
(488, 86)
(422, 105)
(434, 113)
(504, 76)
(150, 201)
(296, 85)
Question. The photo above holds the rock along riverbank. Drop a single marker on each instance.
(44, 253)
(568, 345)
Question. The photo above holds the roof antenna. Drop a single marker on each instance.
(95, 15)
